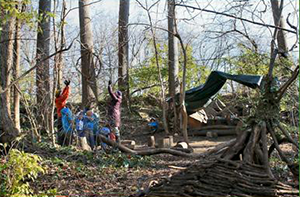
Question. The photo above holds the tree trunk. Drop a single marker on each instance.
(16, 74)
(43, 93)
(184, 116)
(173, 60)
(87, 65)
(8, 130)
(60, 64)
(278, 21)
(123, 68)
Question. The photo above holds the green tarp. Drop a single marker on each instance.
(197, 97)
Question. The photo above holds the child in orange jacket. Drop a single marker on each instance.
(60, 103)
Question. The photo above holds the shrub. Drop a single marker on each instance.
(16, 170)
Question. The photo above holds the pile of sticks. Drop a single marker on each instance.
(221, 177)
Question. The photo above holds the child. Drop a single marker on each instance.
(79, 124)
(106, 132)
(153, 125)
(65, 136)
(88, 128)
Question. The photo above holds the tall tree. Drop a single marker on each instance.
(59, 42)
(16, 70)
(43, 71)
(173, 50)
(87, 64)
(173, 59)
(279, 22)
(8, 131)
(123, 50)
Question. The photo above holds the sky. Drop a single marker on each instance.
(108, 9)
(104, 16)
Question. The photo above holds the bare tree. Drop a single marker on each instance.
(16, 68)
(87, 65)
(173, 59)
(184, 115)
(58, 63)
(163, 94)
(123, 50)
(43, 71)
(173, 50)
(60, 38)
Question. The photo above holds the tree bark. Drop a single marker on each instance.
(173, 60)
(248, 154)
(43, 93)
(60, 63)
(8, 131)
(182, 91)
(7, 43)
(16, 74)
(123, 75)
(265, 160)
(87, 65)
(278, 21)
(172, 50)
(184, 115)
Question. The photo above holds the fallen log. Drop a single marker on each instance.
(150, 151)
(173, 151)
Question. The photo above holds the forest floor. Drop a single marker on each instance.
(73, 172)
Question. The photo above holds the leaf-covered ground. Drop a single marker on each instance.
(73, 172)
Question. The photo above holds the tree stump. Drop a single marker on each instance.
(151, 141)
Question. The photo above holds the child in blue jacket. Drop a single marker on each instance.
(65, 136)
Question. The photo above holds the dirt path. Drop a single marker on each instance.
(200, 144)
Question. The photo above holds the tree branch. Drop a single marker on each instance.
(288, 136)
(295, 28)
(282, 156)
(272, 64)
(144, 88)
(240, 18)
(34, 67)
(288, 22)
(285, 86)
(265, 159)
